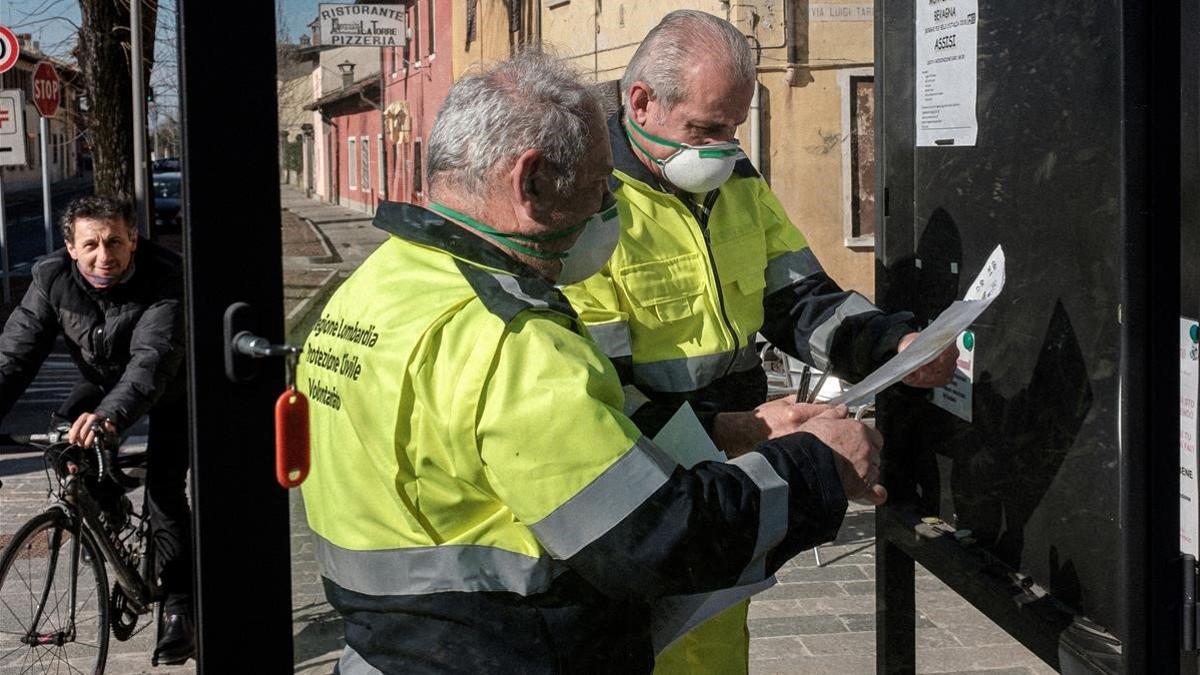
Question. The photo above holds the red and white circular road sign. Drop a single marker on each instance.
(10, 49)
(47, 88)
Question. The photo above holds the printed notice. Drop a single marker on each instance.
(955, 397)
(947, 32)
(1189, 392)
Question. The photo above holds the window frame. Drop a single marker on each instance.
(847, 79)
(364, 150)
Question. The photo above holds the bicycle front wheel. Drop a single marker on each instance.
(41, 630)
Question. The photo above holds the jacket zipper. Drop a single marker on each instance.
(702, 220)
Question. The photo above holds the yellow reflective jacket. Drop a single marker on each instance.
(695, 279)
(480, 503)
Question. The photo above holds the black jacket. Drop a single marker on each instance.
(128, 339)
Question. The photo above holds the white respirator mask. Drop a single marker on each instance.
(692, 168)
(589, 253)
(595, 246)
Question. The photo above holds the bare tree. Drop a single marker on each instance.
(104, 57)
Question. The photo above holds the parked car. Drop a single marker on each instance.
(167, 164)
(168, 191)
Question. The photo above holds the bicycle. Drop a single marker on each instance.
(58, 616)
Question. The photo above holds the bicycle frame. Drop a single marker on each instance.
(82, 513)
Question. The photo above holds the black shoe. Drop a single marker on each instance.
(178, 642)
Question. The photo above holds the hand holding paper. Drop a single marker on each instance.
(932, 342)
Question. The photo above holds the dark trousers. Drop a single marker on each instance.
(166, 487)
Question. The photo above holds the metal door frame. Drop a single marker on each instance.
(232, 249)
(1150, 579)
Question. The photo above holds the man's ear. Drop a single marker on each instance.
(640, 96)
(525, 181)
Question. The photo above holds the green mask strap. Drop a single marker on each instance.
(706, 152)
(507, 239)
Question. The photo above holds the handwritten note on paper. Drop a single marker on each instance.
(937, 336)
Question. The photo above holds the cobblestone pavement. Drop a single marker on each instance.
(822, 619)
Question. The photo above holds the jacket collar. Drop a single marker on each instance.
(624, 158)
(422, 226)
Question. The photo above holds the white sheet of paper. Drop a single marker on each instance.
(674, 616)
(934, 339)
(684, 439)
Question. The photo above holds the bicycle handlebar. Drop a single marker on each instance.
(106, 456)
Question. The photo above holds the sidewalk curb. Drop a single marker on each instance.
(329, 256)
(301, 312)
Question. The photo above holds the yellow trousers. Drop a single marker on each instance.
(720, 645)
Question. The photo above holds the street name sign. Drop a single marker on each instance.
(12, 127)
(362, 25)
(47, 88)
(10, 49)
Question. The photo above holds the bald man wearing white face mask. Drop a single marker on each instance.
(707, 259)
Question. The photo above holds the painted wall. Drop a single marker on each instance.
(417, 82)
(802, 135)
(493, 39)
(363, 126)
(326, 77)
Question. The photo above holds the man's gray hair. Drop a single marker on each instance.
(530, 101)
(683, 38)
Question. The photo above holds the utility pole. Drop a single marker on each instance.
(140, 201)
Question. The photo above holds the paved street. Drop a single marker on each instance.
(818, 619)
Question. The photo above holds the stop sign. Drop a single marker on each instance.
(47, 88)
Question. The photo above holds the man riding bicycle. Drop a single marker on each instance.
(117, 302)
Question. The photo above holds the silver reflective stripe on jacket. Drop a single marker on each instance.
(821, 340)
(788, 268)
(352, 663)
(606, 501)
(634, 399)
(694, 372)
(435, 569)
(613, 338)
(772, 511)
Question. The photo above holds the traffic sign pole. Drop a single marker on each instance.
(4, 245)
(44, 128)
(47, 92)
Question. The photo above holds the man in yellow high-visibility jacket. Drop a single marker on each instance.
(707, 260)
(480, 503)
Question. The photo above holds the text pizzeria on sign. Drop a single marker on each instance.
(362, 25)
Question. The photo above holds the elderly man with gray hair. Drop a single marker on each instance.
(479, 501)
(707, 261)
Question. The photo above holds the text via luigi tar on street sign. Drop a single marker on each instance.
(362, 25)
(947, 76)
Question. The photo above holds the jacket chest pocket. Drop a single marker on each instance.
(665, 291)
(742, 263)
